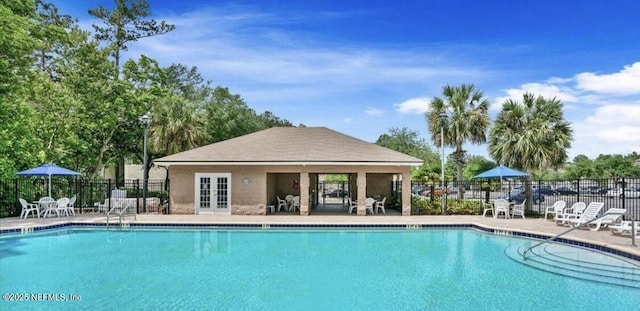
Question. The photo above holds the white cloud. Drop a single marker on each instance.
(609, 129)
(259, 55)
(545, 90)
(625, 82)
(604, 109)
(557, 80)
(373, 112)
(417, 105)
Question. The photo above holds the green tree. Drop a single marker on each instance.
(125, 24)
(582, 167)
(475, 165)
(532, 135)
(53, 36)
(19, 144)
(467, 121)
(175, 126)
(409, 142)
(228, 116)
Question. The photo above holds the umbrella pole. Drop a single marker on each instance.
(50, 186)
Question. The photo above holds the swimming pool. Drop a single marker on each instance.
(234, 269)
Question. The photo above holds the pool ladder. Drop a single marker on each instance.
(121, 213)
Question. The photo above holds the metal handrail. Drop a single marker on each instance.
(120, 211)
(549, 240)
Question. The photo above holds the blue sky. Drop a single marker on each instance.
(363, 67)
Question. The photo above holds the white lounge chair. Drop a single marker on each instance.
(611, 217)
(518, 209)
(501, 206)
(570, 213)
(380, 205)
(625, 227)
(368, 205)
(590, 213)
(28, 208)
(555, 209)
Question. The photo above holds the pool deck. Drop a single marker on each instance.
(603, 237)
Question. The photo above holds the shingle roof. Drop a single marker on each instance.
(292, 144)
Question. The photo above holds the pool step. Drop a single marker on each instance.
(579, 263)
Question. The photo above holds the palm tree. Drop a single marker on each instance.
(176, 127)
(467, 121)
(531, 135)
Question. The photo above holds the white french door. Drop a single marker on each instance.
(213, 193)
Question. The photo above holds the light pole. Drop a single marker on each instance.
(145, 119)
(443, 195)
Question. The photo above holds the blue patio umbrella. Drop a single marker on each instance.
(48, 170)
(501, 171)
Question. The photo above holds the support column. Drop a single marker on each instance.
(406, 194)
(304, 194)
(362, 192)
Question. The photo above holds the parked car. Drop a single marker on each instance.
(628, 193)
(519, 196)
(438, 191)
(546, 191)
(566, 191)
(338, 193)
(604, 190)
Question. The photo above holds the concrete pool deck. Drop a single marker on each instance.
(603, 237)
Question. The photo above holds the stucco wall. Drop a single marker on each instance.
(251, 198)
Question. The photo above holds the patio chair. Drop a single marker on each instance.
(518, 209)
(48, 205)
(590, 213)
(28, 208)
(71, 207)
(62, 206)
(570, 213)
(352, 205)
(555, 209)
(612, 216)
(44, 202)
(380, 205)
(281, 203)
(289, 199)
(487, 207)
(368, 205)
(501, 206)
(625, 227)
(295, 203)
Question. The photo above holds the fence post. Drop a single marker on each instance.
(624, 195)
(578, 190)
(167, 184)
(15, 193)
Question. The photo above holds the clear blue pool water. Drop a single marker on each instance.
(286, 270)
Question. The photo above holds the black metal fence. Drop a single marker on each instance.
(88, 193)
(615, 193)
